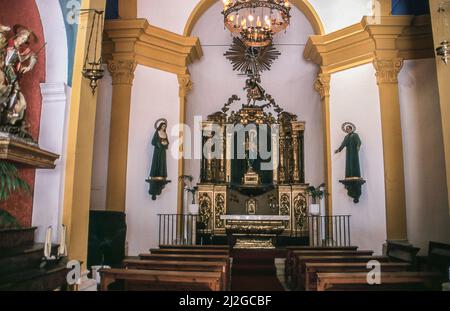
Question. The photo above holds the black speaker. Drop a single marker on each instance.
(107, 234)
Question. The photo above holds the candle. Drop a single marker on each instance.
(62, 249)
(48, 243)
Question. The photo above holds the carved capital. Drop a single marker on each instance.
(387, 70)
(185, 84)
(322, 85)
(122, 72)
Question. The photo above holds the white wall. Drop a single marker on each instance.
(155, 95)
(171, 15)
(290, 82)
(101, 144)
(426, 192)
(49, 184)
(337, 14)
(354, 98)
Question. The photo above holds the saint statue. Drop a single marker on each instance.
(353, 180)
(16, 59)
(254, 89)
(352, 143)
(158, 171)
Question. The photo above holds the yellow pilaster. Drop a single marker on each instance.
(387, 70)
(382, 7)
(122, 73)
(322, 86)
(441, 33)
(185, 86)
(80, 143)
(127, 9)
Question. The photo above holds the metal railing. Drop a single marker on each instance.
(186, 229)
(329, 230)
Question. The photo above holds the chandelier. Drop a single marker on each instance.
(256, 21)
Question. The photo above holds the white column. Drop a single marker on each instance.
(49, 184)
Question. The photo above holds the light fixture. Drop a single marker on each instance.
(443, 50)
(92, 68)
(256, 21)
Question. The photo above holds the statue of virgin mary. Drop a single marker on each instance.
(158, 171)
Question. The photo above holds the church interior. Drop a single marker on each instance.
(232, 145)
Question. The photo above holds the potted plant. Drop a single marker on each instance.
(11, 233)
(316, 194)
(187, 180)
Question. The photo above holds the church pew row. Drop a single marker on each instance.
(158, 280)
(298, 277)
(312, 269)
(190, 251)
(292, 269)
(290, 251)
(389, 281)
(170, 246)
(186, 257)
(164, 265)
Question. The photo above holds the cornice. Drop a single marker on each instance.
(406, 36)
(136, 40)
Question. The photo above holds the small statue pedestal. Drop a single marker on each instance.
(353, 186)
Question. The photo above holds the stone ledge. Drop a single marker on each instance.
(26, 154)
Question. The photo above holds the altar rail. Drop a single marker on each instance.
(186, 229)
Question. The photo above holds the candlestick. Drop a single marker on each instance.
(48, 243)
(62, 249)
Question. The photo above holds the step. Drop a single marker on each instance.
(22, 258)
(35, 279)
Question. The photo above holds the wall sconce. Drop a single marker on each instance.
(92, 68)
(443, 50)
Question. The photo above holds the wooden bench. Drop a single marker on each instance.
(162, 280)
(438, 259)
(166, 246)
(311, 269)
(389, 281)
(291, 249)
(402, 252)
(214, 266)
(299, 277)
(192, 251)
(185, 257)
(295, 254)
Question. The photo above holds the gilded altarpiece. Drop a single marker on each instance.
(239, 186)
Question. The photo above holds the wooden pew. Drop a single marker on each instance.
(185, 257)
(160, 280)
(214, 266)
(299, 277)
(190, 251)
(166, 246)
(293, 268)
(311, 270)
(389, 281)
(291, 249)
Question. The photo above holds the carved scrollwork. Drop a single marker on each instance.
(300, 210)
(285, 204)
(205, 208)
(220, 210)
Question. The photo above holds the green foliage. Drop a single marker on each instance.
(10, 181)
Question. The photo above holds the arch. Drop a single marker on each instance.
(303, 5)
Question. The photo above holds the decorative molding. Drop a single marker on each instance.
(136, 40)
(186, 85)
(387, 70)
(122, 71)
(410, 37)
(322, 85)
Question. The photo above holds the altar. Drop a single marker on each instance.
(244, 192)
(254, 231)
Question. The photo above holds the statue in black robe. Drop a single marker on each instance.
(352, 143)
(158, 171)
(353, 180)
